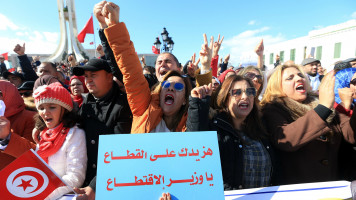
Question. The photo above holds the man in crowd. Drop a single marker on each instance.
(310, 67)
(2, 65)
(45, 68)
(14, 77)
(352, 62)
(105, 110)
(164, 63)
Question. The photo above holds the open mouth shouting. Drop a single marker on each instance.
(169, 99)
(300, 88)
(163, 72)
(48, 120)
(243, 105)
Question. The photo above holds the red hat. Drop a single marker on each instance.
(53, 93)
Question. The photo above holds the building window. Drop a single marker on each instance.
(292, 54)
(281, 56)
(319, 51)
(337, 50)
(305, 52)
(271, 58)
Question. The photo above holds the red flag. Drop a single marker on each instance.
(155, 50)
(88, 29)
(28, 177)
(6, 55)
(11, 70)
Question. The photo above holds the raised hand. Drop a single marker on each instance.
(97, 12)
(205, 53)
(100, 50)
(20, 50)
(193, 65)
(227, 58)
(346, 97)
(326, 90)
(260, 48)
(111, 12)
(217, 45)
(202, 91)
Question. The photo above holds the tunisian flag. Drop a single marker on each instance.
(6, 56)
(28, 177)
(88, 29)
(155, 50)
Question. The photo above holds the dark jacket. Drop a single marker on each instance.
(109, 56)
(2, 68)
(108, 115)
(27, 70)
(307, 144)
(230, 144)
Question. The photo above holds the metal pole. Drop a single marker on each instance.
(94, 39)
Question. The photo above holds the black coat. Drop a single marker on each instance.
(230, 144)
(2, 68)
(108, 115)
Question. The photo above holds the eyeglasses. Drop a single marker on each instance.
(177, 86)
(251, 76)
(216, 84)
(238, 92)
(353, 82)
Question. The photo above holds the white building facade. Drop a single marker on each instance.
(329, 45)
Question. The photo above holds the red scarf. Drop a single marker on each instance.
(51, 141)
(78, 100)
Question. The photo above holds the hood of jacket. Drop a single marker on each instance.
(12, 99)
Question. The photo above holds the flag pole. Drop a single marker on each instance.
(94, 39)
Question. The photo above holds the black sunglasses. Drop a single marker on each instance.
(251, 76)
(238, 92)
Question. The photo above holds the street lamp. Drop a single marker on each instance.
(157, 43)
(167, 42)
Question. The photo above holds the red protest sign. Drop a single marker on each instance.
(28, 177)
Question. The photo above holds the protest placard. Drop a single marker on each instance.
(143, 166)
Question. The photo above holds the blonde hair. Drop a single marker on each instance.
(274, 88)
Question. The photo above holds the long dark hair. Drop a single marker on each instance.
(252, 125)
(188, 87)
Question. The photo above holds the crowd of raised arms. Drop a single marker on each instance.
(292, 124)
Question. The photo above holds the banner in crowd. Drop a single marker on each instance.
(322, 191)
(28, 177)
(143, 166)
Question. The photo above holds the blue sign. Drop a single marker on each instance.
(143, 166)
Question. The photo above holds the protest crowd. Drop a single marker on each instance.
(292, 124)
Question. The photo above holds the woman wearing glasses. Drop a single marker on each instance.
(255, 74)
(245, 153)
(304, 128)
(162, 110)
